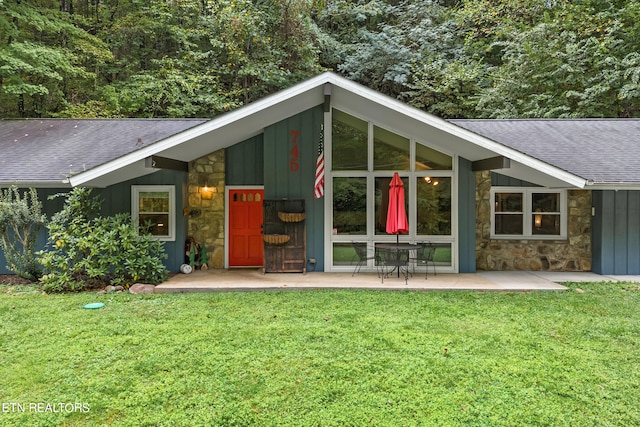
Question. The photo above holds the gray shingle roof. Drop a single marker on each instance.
(600, 150)
(48, 150)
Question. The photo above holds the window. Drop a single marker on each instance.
(433, 201)
(531, 213)
(350, 205)
(153, 208)
(350, 146)
(364, 157)
(390, 150)
(382, 202)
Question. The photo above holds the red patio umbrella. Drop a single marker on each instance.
(396, 214)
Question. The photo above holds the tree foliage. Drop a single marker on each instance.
(21, 219)
(199, 58)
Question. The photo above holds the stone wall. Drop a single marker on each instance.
(206, 217)
(573, 254)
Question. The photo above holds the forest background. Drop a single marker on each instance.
(200, 58)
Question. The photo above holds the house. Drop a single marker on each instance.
(548, 194)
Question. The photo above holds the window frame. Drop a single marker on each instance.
(135, 207)
(370, 238)
(527, 213)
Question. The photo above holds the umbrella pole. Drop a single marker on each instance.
(398, 253)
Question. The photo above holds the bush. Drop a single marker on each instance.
(83, 250)
(21, 219)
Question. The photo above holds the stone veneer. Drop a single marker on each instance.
(206, 217)
(573, 254)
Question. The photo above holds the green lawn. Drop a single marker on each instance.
(323, 358)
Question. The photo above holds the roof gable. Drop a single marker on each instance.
(247, 121)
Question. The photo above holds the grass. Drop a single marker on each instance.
(323, 358)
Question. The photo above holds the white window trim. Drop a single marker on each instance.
(370, 238)
(135, 211)
(527, 212)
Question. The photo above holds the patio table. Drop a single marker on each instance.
(396, 257)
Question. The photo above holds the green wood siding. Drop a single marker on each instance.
(117, 199)
(616, 232)
(244, 162)
(288, 176)
(467, 217)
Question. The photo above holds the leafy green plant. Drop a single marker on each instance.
(21, 219)
(84, 250)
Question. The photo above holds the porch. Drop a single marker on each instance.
(252, 279)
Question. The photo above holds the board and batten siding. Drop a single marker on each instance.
(616, 232)
(117, 199)
(244, 162)
(466, 217)
(290, 154)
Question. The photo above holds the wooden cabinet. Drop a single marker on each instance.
(285, 240)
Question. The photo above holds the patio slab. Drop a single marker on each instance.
(217, 280)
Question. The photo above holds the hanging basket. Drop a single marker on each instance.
(291, 217)
(276, 239)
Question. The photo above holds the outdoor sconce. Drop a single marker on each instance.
(206, 192)
(537, 220)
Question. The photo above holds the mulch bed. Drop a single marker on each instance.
(13, 279)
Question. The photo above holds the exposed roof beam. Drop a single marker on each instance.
(498, 162)
(157, 162)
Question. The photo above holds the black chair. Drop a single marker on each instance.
(361, 257)
(424, 255)
(395, 261)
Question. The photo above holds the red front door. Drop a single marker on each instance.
(245, 228)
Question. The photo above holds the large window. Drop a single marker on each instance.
(153, 208)
(433, 205)
(390, 150)
(531, 213)
(349, 205)
(350, 147)
(364, 158)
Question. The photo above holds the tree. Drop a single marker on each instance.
(43, 59)
(21, 219)
(577, 66)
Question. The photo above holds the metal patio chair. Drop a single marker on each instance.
(361, 257)
(425, 255)
(395, 261)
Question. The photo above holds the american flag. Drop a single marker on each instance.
(318, 188)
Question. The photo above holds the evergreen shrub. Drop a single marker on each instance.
(85, 250)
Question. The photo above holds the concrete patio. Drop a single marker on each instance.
(220, 280)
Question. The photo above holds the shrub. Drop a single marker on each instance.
(21, 219)
(84, 250)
